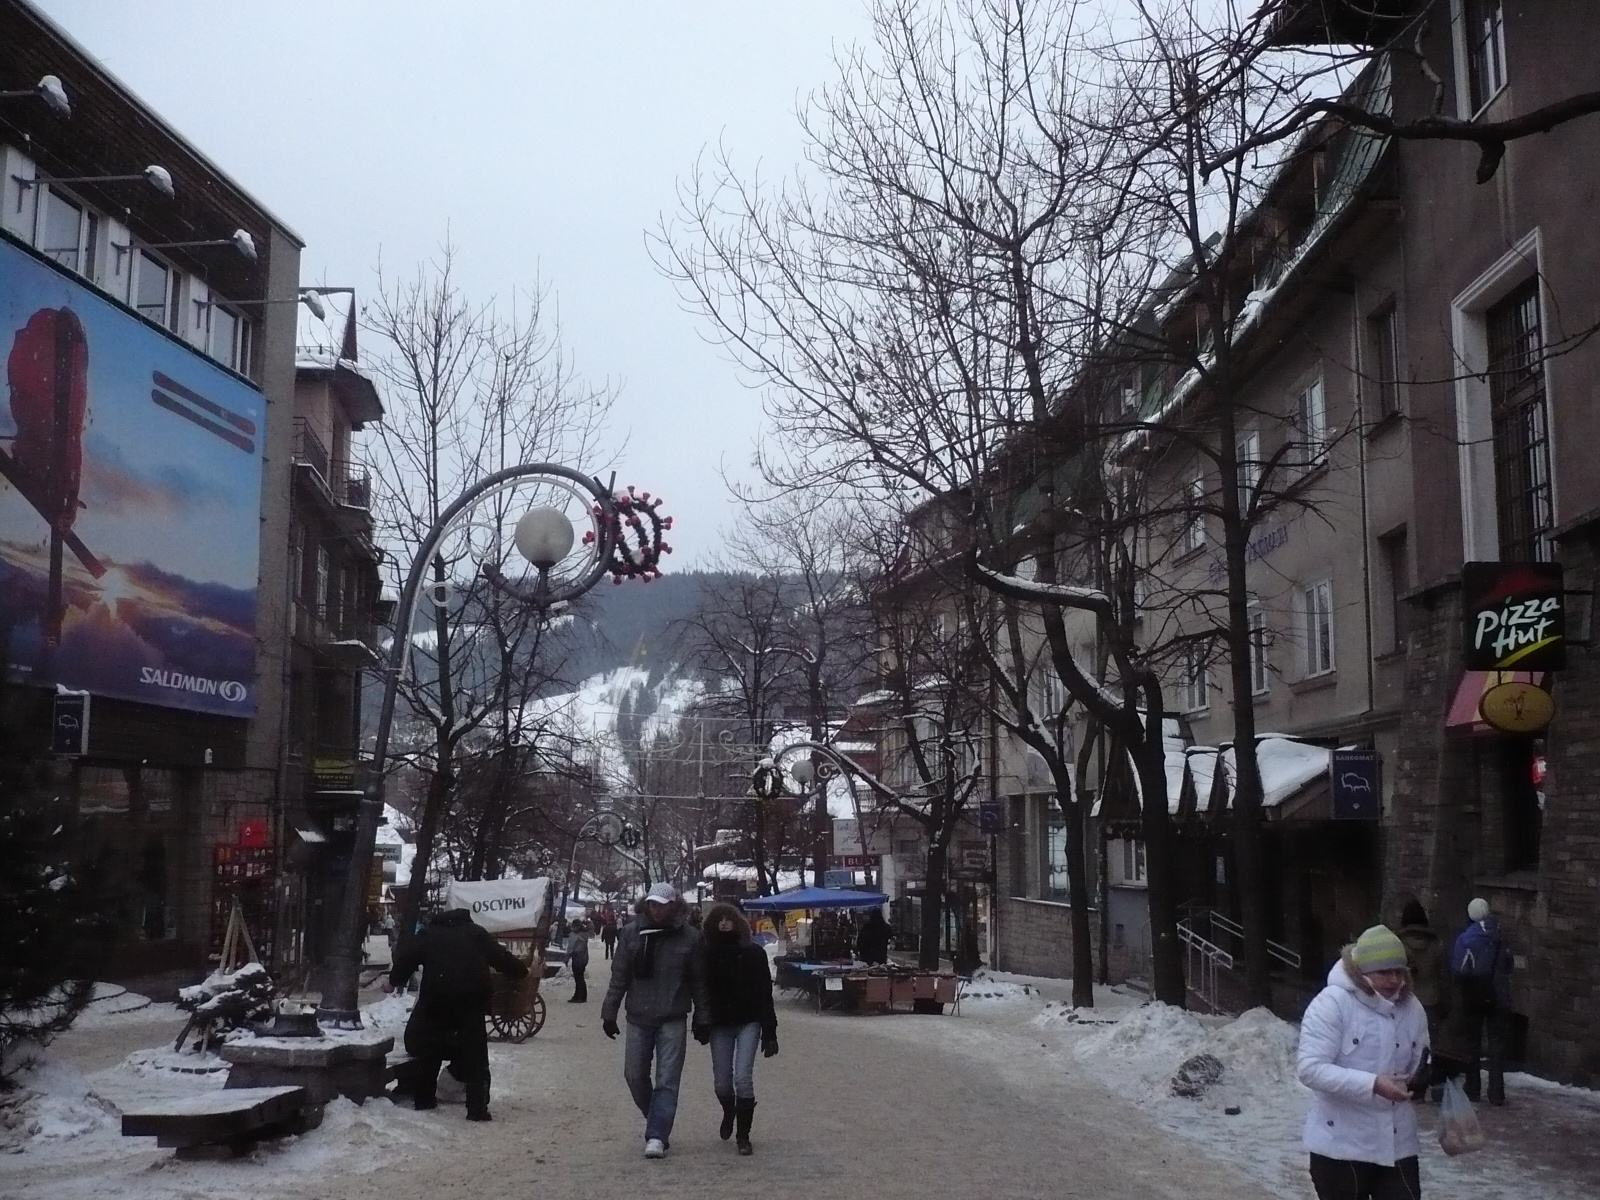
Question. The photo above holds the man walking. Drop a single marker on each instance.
(577, 948)
(659, 969)
(448, 1021)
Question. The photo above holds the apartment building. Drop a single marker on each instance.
(1420, 379)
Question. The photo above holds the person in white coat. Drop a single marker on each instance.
(1361, 1041)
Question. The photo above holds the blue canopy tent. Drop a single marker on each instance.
(815, 897)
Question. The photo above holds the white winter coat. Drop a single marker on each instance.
(1349, 1036)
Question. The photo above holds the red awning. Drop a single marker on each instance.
(1464, 716)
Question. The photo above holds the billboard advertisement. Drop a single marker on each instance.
(130, 501)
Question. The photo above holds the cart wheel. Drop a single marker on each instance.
(520, 1029)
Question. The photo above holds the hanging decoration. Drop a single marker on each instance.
(638, 530)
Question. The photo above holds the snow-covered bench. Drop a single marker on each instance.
(235, 1118)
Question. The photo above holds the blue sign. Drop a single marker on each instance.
(838, 879)
(990, 817)
(1354, 779)
(130, 500)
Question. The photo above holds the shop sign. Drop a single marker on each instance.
(1513, 616)
(1353, 778)
(69, 723)
(857, 862)
(990, 819)
(838, 879)
(1517, 707)
(253, 832)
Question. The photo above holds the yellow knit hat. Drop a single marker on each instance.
(1378, 949)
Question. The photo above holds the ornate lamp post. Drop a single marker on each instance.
(767, 780)
(545, 537)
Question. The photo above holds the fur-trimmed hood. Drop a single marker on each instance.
(712, 932)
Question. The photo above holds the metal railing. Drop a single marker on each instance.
(1234, 930)
(1202, 960)
(346, 481)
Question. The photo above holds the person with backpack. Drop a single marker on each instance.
(1480, 970)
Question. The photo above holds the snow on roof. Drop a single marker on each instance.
(1286, 766)
(746, 873)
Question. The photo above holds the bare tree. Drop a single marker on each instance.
(468, 392)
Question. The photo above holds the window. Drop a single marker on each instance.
(1311, 418)
(1521, 426)
(1318, 611)
(1017, 837)
(322, 599)
(154, 291)
(1196, 681)
(1483, 31)
(228, 338)
(1260, 676)
(1133, 862)
(297, 560)
(1053, 885)
(1396, 579)
(1248, 453)
(1383, 331)
(1194, 526)
(67, 232)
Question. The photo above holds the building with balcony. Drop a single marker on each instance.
(335, 598)
(147, 338)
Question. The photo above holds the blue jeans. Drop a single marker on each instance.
(733, 1060)
(659, 1101)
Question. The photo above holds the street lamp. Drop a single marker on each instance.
(767, 779)
(545, 537)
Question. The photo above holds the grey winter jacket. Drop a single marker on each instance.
(673, 969)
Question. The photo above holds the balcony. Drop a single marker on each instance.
(346, 636)
(347, 484)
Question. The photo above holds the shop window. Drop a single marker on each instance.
(102, 791)
(1521, 425)
(1522, 787)
(1017, 844)
(1053, 883)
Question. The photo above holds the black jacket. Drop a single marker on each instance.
(740, 983)
(872, 943)
(455, 957)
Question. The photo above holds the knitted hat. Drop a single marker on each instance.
(665, 893)
(1478, 910)
(1378, 949)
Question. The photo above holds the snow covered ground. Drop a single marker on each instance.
(1251, 1115)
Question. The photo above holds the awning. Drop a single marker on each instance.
(1464, 715)
(308, 831)
(815, 897)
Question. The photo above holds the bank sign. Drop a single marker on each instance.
(130, 501)
(1513, 616)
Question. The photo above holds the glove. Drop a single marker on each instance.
(609, 1028)
(702, 1034)
(769, 1046)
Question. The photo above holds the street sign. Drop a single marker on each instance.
(1353, 776)
(69, 724)
(838, 879)
(990, 817)
(1513, 616)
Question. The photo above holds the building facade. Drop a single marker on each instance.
(1425, 349)
(147, 322)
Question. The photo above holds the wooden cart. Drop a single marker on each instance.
(516, 1010)
(517, 912)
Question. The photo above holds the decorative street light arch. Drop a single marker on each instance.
(624, 540)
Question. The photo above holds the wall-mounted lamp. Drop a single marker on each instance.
(49, 90)
(157, 177)
(240, 241)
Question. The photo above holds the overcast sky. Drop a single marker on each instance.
(544, 138)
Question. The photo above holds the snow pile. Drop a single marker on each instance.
(389, 1015)
(985, 987)
(51, 1102)
(163, 1062)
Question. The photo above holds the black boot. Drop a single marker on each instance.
(743, 1112)
(725, 1131)
(478, 1100)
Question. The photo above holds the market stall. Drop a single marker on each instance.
(838, 981)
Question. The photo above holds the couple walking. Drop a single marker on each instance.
(662, 967)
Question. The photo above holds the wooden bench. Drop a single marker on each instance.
(231, 1118)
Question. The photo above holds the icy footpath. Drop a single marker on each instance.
(61, 1129)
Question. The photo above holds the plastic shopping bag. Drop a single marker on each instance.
(1459, 1131)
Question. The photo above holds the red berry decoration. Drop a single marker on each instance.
(637, 525)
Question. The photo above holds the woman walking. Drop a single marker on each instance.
(1361, 1042)
(742, 1017)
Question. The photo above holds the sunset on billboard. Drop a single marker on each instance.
(130, 498)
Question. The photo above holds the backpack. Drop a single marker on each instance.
(1474, 953)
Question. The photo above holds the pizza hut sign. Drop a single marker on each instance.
(1513, 616)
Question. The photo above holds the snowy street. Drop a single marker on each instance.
(1015, 1095)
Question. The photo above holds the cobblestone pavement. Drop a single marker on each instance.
(843, 1110)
